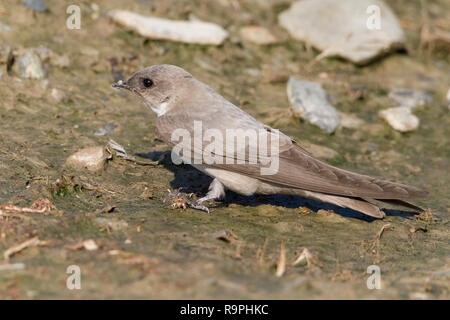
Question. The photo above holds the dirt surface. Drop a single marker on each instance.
(147, 250)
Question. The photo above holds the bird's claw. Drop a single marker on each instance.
(183, 201)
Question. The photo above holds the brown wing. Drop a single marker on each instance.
(297, 168)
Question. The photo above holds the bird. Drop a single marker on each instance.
(184, 104)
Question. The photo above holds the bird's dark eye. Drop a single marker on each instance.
(147, 82)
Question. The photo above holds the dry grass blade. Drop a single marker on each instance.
(17, 248)
(304, 255)
(121, 153)
(383, 228)
(281, 266)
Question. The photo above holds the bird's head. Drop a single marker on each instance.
(158, 85)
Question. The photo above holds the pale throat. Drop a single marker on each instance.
(159, 109)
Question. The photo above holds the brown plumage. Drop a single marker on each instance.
(179, 99)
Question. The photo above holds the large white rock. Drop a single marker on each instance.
(400, 118)
(340, 28)
(158, 28)
(309, 101)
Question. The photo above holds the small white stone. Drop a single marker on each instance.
(257, 35)
(90, 158)
(90, 245)
(158, 28)
(400, 118)
(58, 95)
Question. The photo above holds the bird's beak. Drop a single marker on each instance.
(121, 84)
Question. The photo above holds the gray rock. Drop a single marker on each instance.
(36, 5)
(106, 129)
(30, 65)
(339, 28)
(410, 98)
(158, 28)
(400, 118)
(309, 101)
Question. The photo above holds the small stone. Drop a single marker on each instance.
(350, 121)
(331, 216)
(90, 52)
(4, 27)
(318, 151)
(106, 129)
(45, 83)
(410, 98)
(400, 118)
(347, 29)
(183, 31)
(90, 158)
(90, 245)
(58, 95)
(112, 223)
(257, 35)
(30, 65)
(36, 5)
(253, 72)
(309, 101)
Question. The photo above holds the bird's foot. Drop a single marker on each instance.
(182, 201)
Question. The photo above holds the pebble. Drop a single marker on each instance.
(58, 95)
(319, 151)
(350, 121)
(309, 101)
(113, 223)
(158, 28)
(105, 129)
(257, 35)
(90, 158)
(4, 27)
(36, 5)
(48, 55)
(340, 28)
(400, 118)
(410, 98)
(30, 65)
(90, 245)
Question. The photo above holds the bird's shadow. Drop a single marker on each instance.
(188, 179)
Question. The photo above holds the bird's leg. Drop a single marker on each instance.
(216, 191)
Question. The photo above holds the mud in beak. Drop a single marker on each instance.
(121, 84)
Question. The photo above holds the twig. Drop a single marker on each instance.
(385, 227)
(17, 248)
(281, 266)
